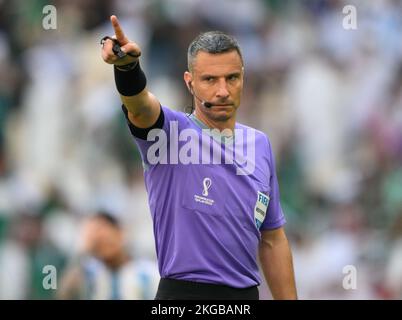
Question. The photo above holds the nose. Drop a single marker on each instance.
(222, 90)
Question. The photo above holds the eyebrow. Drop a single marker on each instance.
(205, 76)
(233, 74)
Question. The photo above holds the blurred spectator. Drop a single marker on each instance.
(105, 269)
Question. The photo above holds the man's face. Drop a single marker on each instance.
(217, 78)
(102, 240)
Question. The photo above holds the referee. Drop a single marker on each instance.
(212, 215)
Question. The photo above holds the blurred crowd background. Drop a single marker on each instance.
(330, 100)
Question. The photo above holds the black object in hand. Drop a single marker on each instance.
(117, 48)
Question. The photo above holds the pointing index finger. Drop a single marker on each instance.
(117, 29)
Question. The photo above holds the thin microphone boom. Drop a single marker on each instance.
(206, 104)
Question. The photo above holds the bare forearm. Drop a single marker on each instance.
(130, 79)
(139, 103)
(277, 266)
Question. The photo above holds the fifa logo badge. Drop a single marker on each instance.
(207, 184)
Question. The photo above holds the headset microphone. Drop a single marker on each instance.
(206, 104)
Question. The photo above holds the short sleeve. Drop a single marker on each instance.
(274, 217)
(157, 136)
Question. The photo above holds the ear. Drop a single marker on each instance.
(188, 78)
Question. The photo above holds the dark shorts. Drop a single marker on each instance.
(171, 289)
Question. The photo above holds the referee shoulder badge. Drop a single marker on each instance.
(260, 209)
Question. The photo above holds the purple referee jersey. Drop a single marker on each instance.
(210, 197)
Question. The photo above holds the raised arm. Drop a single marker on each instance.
(143, 107)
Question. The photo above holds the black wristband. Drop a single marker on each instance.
(130, 83)
(127, 67)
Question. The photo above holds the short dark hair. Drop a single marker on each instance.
(211, 42)
(108, 218)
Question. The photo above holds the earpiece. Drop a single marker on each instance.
(190, 87)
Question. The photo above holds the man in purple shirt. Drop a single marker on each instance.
(211, 182)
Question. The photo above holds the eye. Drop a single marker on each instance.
(209, 79)
(233, 77)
